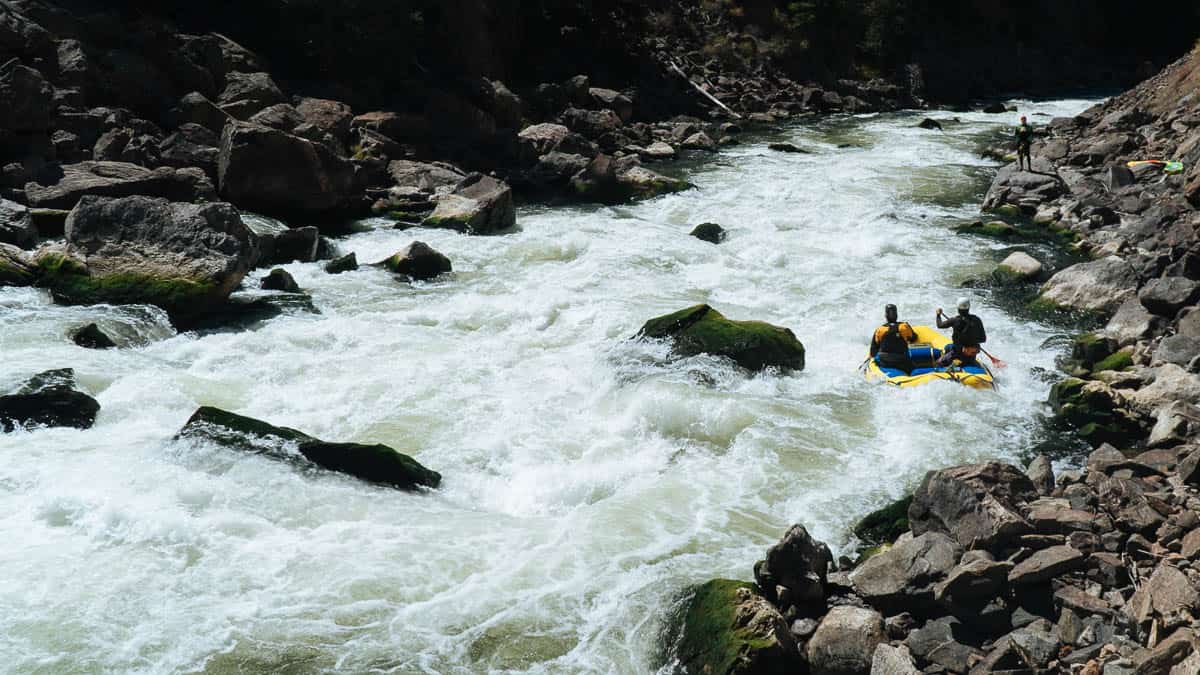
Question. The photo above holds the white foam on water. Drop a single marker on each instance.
(588, 481)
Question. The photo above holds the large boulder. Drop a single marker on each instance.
(845, 642)
(978, 505)
(1096, 286)
(753, 345)
(1169, 597)
(728, 628)
(49, 399)
(118, 179)
(479, 205)
(1132, 322)
(799, 565)
(902, 578)
(372, 463)
(273, 172)
(185, 258)
(540, 139)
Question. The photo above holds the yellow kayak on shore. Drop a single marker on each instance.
(925, 352)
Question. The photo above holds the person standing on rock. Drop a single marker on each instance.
(967, 337)
(889, 346)
(1024, 136)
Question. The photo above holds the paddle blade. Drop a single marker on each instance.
(1000, 365)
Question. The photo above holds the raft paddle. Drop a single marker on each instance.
(1000, 365)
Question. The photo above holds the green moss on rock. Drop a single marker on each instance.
(1120, 360)
(754, 345)
(712, 642)
(884, 525)
(70, 282)
(372, 463)
(1007, 210)
(998, 229)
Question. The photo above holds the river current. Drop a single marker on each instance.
(588, 479)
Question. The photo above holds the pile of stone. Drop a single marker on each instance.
(1000, 571)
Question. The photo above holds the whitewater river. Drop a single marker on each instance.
(587, 479)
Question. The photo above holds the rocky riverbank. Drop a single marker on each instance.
(992, 568)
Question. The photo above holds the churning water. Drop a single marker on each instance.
(588, 479)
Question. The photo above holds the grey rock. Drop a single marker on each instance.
(418, 261)
(118, 179)
(1167, 296)
(845, 642)
(977, 505)
(16, 225)
(1045, 565)
(889, 660)
(279, 280)
(1099, 285)
(798, 563)
(899, 578)
(1041, 472)
(478, 205)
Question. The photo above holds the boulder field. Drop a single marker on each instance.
(1000, 570)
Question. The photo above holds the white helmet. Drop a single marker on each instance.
(964, 303)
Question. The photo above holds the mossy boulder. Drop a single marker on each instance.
(372, 463)
(729, 629)
(884, 525)
(753, 345)
(184, 258)
(1097, 412)
(346, 263)
(92, 337)
(1090, 348)
(417, 261)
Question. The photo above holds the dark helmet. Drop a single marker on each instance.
(890, 313)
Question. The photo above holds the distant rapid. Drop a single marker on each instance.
(588, 479)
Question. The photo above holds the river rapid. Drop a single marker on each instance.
(588, 479)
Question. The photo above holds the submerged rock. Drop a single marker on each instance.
(372, 463)
(48, 399)
(710, 232)
(417, 261)
(184, 258)
(346, 263)
(729, 628)
(278, 279)
(753, 345)
(91, 337)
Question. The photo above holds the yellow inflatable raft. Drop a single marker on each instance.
(925, 351)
